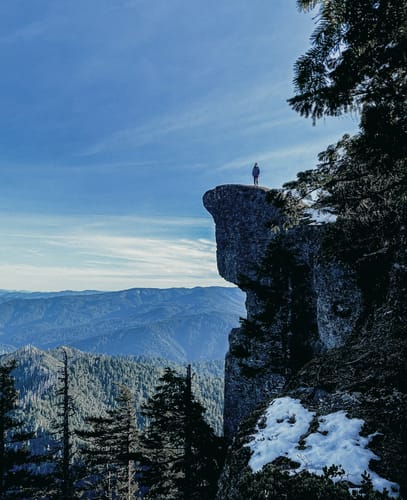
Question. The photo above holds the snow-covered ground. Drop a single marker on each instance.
(335, 441)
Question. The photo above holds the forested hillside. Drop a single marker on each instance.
(76, 425)
(95, 381)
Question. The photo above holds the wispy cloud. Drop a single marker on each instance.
(106, 262)
(79, 167)
(42, 257)
(38, 225)
(54, 278)
(307, 149)
(242, 108)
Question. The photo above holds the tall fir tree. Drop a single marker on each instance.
(357, 57)
(98, 472)
(16, 480)
(358, 62)
(125, 445)
(183, 455)
(110, 451)
(64, 475)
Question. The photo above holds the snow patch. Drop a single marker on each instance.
(320, 216)
(335, 441)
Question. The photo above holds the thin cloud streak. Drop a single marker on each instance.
(83, 222)
(308, 148)
(92, 256)
(243, 108)
(157, 252)
(80, 167)
(48, 278)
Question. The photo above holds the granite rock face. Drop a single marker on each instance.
(241, 216)
(321, 301)
(308, 336)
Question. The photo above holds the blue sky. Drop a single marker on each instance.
(117, 115)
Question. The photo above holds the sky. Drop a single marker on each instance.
(118, 115)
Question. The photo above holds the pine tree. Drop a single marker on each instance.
(357, 62)
(16, 481)
(99, 469)
(160, 443)
(125, 446)
(110, 452)
(64, 470)
(357, 57)
(183, 454)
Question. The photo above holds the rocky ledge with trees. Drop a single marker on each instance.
(316, 377)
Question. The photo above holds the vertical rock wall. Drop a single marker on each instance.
(315, 307)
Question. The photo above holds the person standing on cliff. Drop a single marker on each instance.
(255, 174)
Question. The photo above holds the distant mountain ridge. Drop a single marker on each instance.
(6, 295)
(180, 324)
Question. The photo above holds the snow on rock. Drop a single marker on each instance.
(286, 420)
(320, 216)
(335, 441)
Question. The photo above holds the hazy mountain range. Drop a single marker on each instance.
(179, 324)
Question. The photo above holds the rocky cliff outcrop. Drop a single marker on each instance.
(318, 302)
(306, 337)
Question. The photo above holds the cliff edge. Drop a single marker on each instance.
(308, 337)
